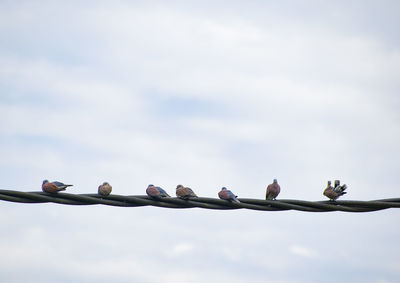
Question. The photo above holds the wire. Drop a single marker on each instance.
(200, 202)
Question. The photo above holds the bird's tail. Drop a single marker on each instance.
(236, 200)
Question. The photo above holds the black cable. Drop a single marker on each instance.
(200, 202)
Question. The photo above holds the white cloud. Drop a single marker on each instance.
(95, 93)
(180, 249)
(303, 251)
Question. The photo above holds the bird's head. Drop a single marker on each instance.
(224, 189)
(150, 185)
(45, 181)
(275, 181)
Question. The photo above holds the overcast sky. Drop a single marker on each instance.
(206, 95)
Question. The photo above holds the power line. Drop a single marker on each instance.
(200, 202)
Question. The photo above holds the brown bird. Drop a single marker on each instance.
(105, 189)
(156, 192)
(273, 191)
(184, 192)
(334, 193)
(53, 187)
(226, 194)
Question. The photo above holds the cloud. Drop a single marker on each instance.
(180, 249)
(208, 97)
(303, 251)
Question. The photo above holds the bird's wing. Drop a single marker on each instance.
(231, 195)
(60, 184)
(191, 193)
(162, 191)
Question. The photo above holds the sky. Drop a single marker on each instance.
(205, 94)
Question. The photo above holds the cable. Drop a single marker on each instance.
(200, 202)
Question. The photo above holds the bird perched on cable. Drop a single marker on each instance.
(156, 192)
(334, 192)
(273, 190)
(185, 192)
(105, 189)
(227, 195)
(53, 187)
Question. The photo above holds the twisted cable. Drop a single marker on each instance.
(200, 202)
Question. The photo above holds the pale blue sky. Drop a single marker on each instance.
(206, 95)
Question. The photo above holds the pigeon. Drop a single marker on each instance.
(334, 193)
(105, 189)
(184, 192)
(156, 192)
(273, 191)
(53, 187)
(227, 195)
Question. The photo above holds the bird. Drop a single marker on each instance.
(334, 193)
(227, 195)
(156, 192)
(273, 190)
(53, 187)
(184, 192)
(104, 189)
